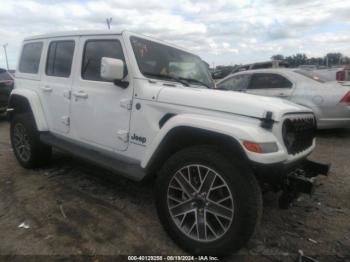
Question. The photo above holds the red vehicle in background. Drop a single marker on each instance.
(343, 74)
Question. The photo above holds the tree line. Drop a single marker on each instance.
(331, 59)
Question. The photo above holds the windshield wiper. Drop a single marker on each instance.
(181, 81)
(195, 81)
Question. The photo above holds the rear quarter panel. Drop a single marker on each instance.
(323, 99)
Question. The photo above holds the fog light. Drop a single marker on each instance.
(260, 148)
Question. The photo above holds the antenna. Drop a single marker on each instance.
(7, 62)
(109, 22)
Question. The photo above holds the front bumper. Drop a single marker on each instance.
(292, 179)
(301, 172)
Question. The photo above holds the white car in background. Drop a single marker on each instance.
(330, 101)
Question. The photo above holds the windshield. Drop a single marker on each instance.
(313, 75)
(165, 62)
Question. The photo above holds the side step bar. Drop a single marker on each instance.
(129, 169)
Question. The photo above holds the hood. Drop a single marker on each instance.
(230, 102)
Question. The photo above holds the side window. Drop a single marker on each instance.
(59, 58)
(30, 58)
(226, 84)
(94, 51)
(267, 81)
(236, 83)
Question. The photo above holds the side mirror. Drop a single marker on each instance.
(112, 69)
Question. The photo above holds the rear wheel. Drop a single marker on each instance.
(207, 203)
(28, 149)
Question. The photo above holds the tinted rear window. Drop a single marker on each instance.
(30, 59)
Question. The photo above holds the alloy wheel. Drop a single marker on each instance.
(200, 203)
(21, 142)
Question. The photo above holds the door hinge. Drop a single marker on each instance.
(123, 135)
(126, 103)
(65, 120)
(67, 94)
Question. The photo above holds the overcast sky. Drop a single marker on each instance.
(221, 31)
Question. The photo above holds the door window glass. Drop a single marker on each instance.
(94, 51)
(235, 83)
(267, 81)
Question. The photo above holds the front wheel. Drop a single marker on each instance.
(207, 203)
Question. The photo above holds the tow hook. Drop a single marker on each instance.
(301, 180)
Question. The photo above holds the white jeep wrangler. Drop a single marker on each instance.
(142, 107)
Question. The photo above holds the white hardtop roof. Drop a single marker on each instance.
(100, 32)
(74, 33)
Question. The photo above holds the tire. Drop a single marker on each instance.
(242, 192)
(30, 152)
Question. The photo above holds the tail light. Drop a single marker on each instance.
(346, 98)
(340, 75)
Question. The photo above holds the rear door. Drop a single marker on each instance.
(57, 82)
(270, 84)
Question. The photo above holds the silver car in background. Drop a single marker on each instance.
(330, 101)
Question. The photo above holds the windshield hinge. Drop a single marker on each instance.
(267, 121)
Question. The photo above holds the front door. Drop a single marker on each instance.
(57, 82)
(100, 109)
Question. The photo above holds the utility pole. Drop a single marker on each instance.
(7, 62)
(109, 21)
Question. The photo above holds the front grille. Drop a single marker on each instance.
(298, 134)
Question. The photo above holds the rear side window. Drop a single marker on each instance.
(236, 83)
(94, 51)
(59, 58)
(268, 81)
(30, 58)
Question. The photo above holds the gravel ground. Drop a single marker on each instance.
(72, 209)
